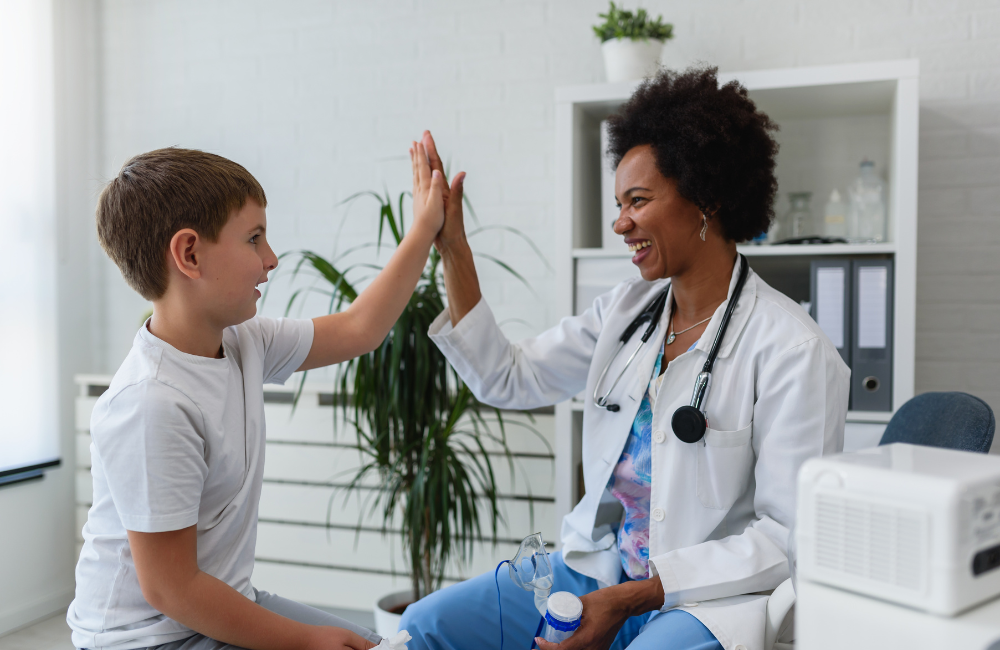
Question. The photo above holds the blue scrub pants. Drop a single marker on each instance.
(465, 617)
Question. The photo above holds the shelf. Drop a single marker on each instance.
(808, 250)
(801, 250)
(860, 87)
(870, 417)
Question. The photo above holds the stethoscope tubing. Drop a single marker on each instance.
(654, 311)
(727, 316)
(603, 401)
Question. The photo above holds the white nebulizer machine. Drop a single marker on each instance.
(531, 570)
(913, 525)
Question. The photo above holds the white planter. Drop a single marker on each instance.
(628, 60)
(387, 623)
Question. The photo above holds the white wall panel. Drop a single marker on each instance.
(362, 551)
(310, 423)
(342, 508)
(329, 587)
(337, 465)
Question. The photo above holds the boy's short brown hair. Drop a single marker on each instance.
(160, 192)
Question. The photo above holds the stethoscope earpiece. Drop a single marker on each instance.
(689, 424)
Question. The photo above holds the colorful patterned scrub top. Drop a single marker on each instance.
(631, 480)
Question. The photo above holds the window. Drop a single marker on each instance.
(29, 407)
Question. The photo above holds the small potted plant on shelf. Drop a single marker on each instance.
(420, 432)
(631, 43)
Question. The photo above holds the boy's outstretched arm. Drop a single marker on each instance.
(167, 567)
(363, 326)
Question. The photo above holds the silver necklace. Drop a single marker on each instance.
(673, 335)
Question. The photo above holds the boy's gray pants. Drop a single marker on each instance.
(278, 605)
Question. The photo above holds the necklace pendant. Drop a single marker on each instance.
(670, 338)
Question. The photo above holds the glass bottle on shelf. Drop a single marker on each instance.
(867, 213)
(835, 216)
(775, 232)
(798, 219)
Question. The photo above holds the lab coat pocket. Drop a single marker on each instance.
(725, 459)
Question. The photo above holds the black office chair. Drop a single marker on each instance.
(949, 420)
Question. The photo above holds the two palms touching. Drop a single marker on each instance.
(454, 223)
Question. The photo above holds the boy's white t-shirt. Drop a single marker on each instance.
(177, 441)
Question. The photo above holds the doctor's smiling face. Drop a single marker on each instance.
(659, 225)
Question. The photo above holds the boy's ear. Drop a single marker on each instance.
(185, 252)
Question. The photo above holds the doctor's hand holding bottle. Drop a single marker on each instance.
(606, 610)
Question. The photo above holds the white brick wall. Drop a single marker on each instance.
(320, 99)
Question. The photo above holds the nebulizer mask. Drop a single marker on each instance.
(531, 570)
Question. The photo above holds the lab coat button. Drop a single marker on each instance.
(659, 436)
(740, 647)
(690, 604)
(658, 514)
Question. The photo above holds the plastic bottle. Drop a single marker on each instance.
(867, 213)
(562, 617)
(835, 216)
(799, 216)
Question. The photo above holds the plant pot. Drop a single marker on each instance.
(386, 620)
(628, 60)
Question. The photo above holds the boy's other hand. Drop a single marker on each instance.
(453, 231)
(428, 191)
(336, 638)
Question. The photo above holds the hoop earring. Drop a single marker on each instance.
(704, 227)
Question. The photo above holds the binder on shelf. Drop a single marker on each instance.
(599, 275)
(871, 335)
(830, 301)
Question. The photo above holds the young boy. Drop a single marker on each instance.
(178, 438)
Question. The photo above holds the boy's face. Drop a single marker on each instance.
(236, 263)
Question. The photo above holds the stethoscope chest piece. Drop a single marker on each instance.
(689, 424)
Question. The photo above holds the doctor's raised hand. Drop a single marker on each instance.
(704, 390)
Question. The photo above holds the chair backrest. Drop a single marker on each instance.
(951, 420)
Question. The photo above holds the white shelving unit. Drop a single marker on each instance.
(830, 118)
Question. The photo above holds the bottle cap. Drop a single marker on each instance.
(867, 163)
(835, 196)
(564, 606)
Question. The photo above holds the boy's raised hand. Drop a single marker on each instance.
(363, 326)
(428, 191)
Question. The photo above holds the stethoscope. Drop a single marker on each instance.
(688, 422)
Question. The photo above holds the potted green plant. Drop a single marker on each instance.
(631, 42)
(418, 428)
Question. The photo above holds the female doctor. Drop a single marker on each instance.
(702, 533)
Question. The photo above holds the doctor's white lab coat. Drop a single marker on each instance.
(720, 509)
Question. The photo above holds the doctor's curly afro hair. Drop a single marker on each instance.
(711, 140)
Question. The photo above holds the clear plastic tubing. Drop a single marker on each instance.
(562, 616)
